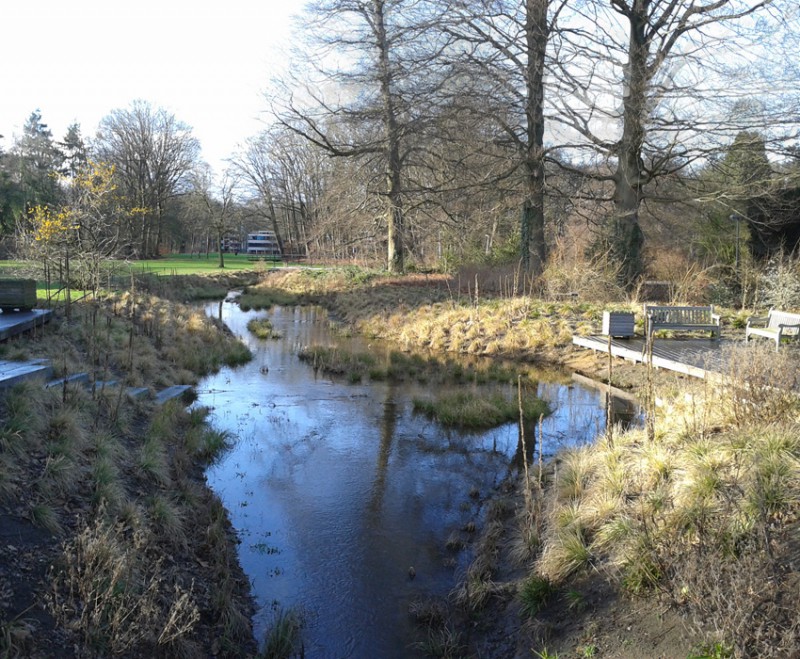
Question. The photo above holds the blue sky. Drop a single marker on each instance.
(206, 62)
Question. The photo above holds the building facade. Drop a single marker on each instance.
(263, 242)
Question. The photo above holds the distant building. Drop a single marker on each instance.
(263, 242)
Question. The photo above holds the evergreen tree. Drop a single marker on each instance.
(74, 151)
(38, 162)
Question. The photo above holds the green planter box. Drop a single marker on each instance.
(618, 323)
(17, 294)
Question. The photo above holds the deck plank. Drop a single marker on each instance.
(699, 358)
(12, 373)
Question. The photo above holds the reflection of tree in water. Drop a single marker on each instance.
(624, 412)
(526, 433)
(388, 427)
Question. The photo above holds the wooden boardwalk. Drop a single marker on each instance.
(698, 358)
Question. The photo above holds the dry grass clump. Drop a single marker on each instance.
(140, 339)
(477, 586)
(115, 595)
(706, 511)
(761, 384)
(440, 313)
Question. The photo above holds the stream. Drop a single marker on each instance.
(336, 490)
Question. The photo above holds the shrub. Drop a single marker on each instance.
(779, 284)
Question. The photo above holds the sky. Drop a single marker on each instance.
(208, 63)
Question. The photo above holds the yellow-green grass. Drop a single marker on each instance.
(188, 264)
(118, 273)
(703, 511)
(479, 410)
(425, 313)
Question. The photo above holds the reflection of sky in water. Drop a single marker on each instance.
(336, 489)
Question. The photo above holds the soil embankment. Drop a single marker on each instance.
(110, 541)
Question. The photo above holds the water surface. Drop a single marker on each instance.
(337, 489)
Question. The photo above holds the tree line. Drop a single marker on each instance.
(419, 133)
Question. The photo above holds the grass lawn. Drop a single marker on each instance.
(185, 264)
(174, 264)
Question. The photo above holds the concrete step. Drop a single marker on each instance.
(79, 378)
(12, 373)
(176, 391)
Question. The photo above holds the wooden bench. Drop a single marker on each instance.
(690, 319)
(775, 325)
(17, 294)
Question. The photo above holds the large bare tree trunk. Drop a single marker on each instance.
(625, 234)
(534, 247)
(394, 211)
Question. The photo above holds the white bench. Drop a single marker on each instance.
(682, 318)
(775, 325)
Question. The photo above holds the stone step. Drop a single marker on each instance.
(175, 391)
(12, 373)
(138, 392)
(80, 378)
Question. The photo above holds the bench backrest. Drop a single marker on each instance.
(679, 315)
(783, 318)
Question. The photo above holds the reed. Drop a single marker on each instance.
(282, 639)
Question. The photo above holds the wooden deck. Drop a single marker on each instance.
(698, 358)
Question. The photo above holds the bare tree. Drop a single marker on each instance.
(504, 45)
(256, 168)
(640, 89)
(370, 99)
(152, 152)
(216, 202)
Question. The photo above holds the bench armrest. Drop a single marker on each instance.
(716, 318)
(783, 326)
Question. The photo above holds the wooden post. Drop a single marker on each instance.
(609, 421)
(650, 412)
